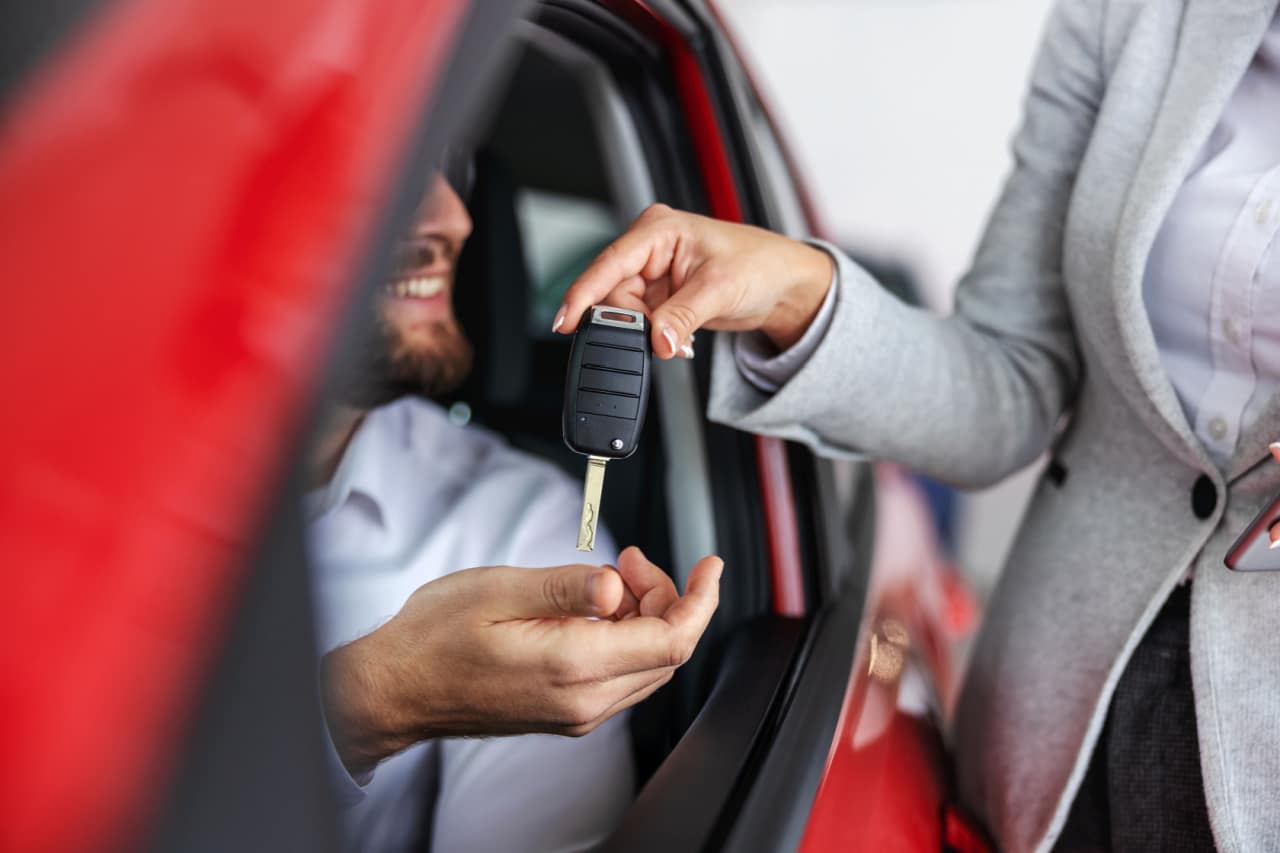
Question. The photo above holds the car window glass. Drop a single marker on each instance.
(545, 138)
(561, 233)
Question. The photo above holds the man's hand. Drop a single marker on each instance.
(502, 650)
(687, 271)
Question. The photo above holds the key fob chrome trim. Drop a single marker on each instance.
(623, 318)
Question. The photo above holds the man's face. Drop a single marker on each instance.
(419, 347)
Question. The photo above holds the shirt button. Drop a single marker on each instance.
(1218, 429)
(1204, 497)
(1263, 213)
(1231, 330)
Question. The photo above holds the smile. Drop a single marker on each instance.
(421, 288)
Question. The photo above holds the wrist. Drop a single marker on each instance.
(359, 709)
(810, 271)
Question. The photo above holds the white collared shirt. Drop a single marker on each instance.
(1212, 282)
(416, 497)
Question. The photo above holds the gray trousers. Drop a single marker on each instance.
(1143, 790)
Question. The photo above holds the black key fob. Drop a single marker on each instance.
(606, 390)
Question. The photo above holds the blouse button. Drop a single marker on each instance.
(1218, 429)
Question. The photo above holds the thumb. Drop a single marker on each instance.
(574, 590)
(696, 303)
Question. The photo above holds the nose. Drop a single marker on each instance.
(443, 214)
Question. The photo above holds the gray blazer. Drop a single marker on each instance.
(1050, 349)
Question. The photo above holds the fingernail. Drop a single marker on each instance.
(555, 327)
(686, 351)
(671, 339)
(1275, 543)
(1275, 449)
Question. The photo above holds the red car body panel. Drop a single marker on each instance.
(883, 787)
(183, 210)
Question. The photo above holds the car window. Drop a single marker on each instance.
(546, 138)
(561, 233)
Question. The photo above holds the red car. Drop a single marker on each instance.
(195, 193)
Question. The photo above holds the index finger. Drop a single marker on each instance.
(651, 586)
(645, 249)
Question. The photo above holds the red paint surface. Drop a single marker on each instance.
(883, 784)
(186, 188)
(882, 788)
(786, 572)
(787, 575)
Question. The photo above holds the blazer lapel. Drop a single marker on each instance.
(1218, 40)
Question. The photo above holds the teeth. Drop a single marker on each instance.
(423, 288)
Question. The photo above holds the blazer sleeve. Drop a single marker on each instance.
(971, 397)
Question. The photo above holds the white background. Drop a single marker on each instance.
(899, 113)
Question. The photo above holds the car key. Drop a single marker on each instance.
(606, 392)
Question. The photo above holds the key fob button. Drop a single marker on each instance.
(614, 405)
(613, 358)
(611, 382)
(613, 337)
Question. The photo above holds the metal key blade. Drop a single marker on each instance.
(591, 503)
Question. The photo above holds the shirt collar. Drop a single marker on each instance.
(372, 466)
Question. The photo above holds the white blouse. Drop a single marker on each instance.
(1212, 283)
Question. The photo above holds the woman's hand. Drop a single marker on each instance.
(687, 271)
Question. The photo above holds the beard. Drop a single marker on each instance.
(387, 367)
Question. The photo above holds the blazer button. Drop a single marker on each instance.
(1204, 497)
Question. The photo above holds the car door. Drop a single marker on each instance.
(193, 192)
